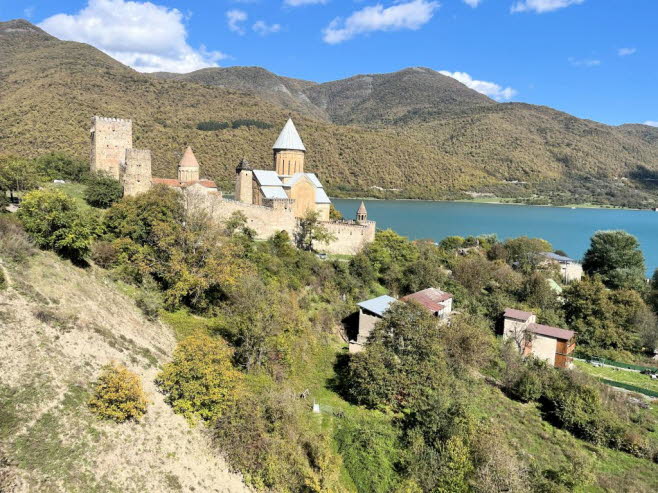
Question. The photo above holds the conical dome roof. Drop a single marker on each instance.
(289, 139)
(188, 160)
(362, 209)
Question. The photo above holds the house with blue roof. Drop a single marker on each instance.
(570, 269)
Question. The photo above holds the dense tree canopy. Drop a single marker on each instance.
(617, 258)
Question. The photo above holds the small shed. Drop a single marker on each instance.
(370, 311)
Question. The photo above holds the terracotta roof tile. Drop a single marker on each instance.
(547, 330)
(431, 298)
(517, 314)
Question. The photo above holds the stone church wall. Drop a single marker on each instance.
(351, 237)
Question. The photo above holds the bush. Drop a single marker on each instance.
(55, 222)
(118, 395)
(211, 125)
(200, 382)
(149, 300)
(104, 254)
(3, 280)
(15, 245)
(103, 191)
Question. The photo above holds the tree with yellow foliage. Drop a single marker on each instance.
(200, 382)
(118, 395)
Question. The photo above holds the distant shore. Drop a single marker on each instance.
(499, 201)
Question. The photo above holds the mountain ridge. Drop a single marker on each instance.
(391, 136)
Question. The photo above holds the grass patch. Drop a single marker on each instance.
(185, 324)
(75, 190)
(617, 375)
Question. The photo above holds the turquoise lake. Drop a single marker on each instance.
(566, 229)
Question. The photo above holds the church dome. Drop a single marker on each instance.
(289, 139)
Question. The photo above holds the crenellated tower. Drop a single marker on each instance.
(110, 137)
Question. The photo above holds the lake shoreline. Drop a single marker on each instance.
(498, 201)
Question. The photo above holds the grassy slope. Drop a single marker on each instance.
(58, 325)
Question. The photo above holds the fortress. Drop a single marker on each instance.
(272, 200)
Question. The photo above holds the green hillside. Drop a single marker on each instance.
(415, 130)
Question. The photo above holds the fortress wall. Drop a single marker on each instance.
(351, 237)
(137, 172)
(264, 220)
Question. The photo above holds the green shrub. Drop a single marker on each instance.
(200, 382)
(103, 191)
(118, 395)
(149, 301)
(55, 222)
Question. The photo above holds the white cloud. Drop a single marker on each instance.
(651, 123)
(542, 6)
(146, 36)
(235, 18)
(263, 28)
(472, 3)
(299, 3)
(626, 51)
(490, 89)
(584, 62)
(408, 15)
(28, 12)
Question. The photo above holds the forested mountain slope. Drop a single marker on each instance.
(415, 131)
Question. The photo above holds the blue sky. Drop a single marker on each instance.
(596, 59)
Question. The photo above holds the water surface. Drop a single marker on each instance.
(566, 229)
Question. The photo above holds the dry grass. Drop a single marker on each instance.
(58, 326)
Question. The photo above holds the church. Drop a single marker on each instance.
(286, 186)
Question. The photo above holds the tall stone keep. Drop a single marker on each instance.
(136, 176)
(110, 137)
(188, 168)
(244, 182)
(289, 151)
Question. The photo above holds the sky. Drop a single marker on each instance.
(595, 59)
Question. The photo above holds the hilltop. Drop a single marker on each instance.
(415, 130)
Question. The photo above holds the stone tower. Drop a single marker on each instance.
(188, 168)
(244, 182)
(289, 151)
(136, 175)
(361, 213)
(110, 137)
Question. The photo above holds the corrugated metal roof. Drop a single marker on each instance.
(267, 178)
(378, 305)
(547, 330)
(274, 193)
(430, 298)
(321, 196)
(517, 314)
(289, 138)
(555, 256)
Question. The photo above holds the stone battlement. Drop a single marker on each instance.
(108, 119)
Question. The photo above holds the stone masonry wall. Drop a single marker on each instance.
(137, 172)
(110, 137)
(351, 237)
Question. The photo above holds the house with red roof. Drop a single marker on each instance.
(552, 344)
(438, 302)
